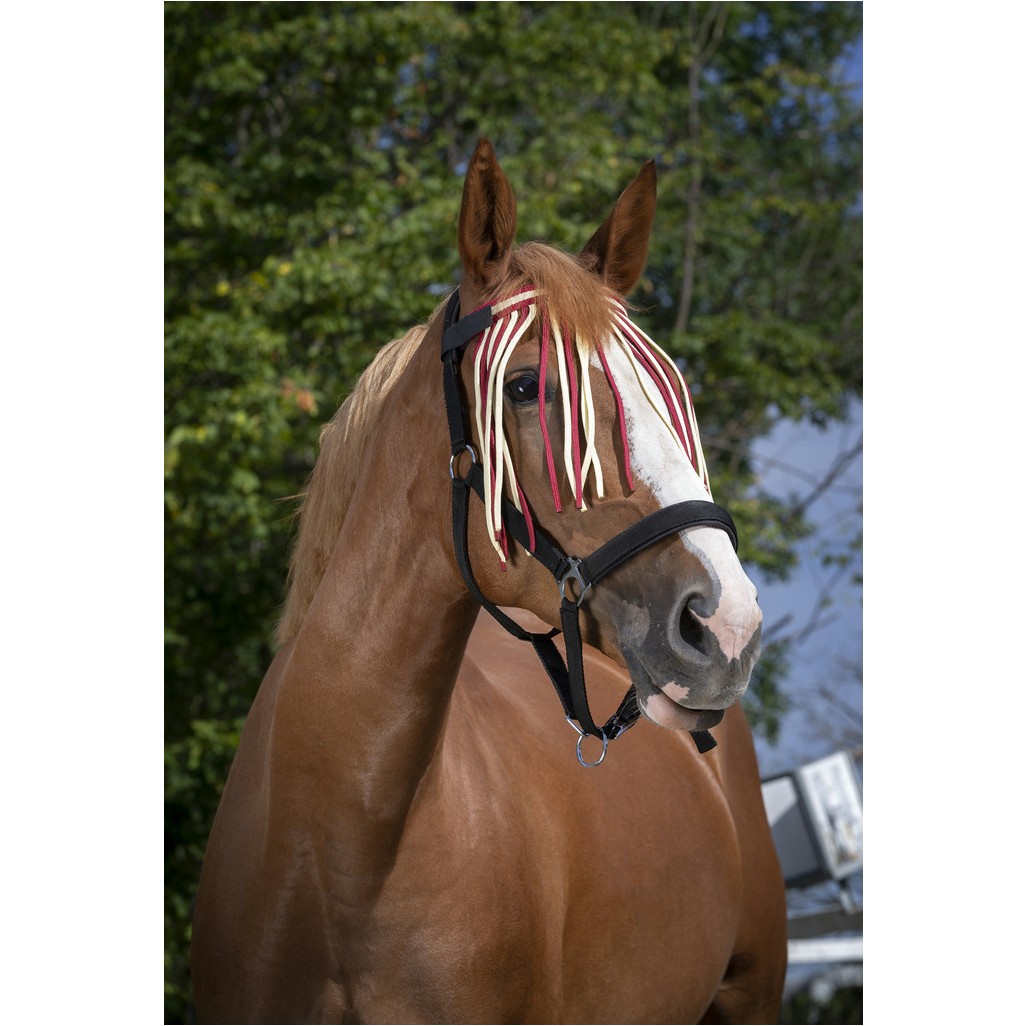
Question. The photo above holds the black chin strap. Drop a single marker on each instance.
(575, 577)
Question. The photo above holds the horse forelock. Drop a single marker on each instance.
(332, 483)
(573, 296)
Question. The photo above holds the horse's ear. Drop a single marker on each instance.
(617, 252)
(488, 217)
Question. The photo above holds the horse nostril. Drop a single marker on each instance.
(692, 632)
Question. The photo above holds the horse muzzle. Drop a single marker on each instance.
(692, 662)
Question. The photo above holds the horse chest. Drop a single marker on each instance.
(506, 908)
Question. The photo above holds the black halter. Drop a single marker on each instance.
(578, 574)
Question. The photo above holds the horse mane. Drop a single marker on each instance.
(330, 487)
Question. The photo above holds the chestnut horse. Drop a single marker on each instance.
(406, 835)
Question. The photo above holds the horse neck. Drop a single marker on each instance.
(362, 703)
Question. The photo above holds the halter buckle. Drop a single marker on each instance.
(573, 573)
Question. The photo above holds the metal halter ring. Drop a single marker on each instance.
(459, 452)
(580, 740)
(573, 573)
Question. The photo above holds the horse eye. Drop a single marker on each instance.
(523, 390)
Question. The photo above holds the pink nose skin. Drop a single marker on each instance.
(732, 628)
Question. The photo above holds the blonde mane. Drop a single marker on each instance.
(331, 484)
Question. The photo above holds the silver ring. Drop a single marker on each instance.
(452, 461)
(580, 741)
(598, 761)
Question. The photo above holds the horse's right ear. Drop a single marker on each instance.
(488, 217)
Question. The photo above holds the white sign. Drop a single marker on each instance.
(815, 814)
(833, 800)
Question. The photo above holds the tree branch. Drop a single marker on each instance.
(840, 464)
(703, 42)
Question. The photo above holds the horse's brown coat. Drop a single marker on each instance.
(406, 835)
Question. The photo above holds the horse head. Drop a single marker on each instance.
(586, 426)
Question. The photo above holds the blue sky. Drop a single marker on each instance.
(789, 459)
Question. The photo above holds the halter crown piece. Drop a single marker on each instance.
(498, 328)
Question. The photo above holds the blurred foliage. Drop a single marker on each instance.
(841, 1007)
(313, 163)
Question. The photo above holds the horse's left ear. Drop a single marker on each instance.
(617, 252)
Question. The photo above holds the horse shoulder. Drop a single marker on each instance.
(257, 953)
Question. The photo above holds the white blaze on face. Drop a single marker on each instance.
(658, 461)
